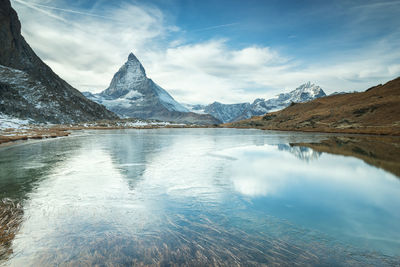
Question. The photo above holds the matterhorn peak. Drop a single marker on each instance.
(130, 76)
(132, 57)
(132, 95)
(134, 66)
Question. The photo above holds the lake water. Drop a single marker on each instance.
(194, 197)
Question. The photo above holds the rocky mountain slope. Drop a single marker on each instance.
(260, 106)
(29, 89)
(132, 94)
(228, 112)
(375, 111)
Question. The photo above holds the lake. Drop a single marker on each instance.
(195, 197)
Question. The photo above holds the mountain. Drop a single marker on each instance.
(304, 93)
(29, 88)
(226, 112)
(375, 111)
(260, 106)
(132, 94)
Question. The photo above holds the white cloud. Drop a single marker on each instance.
(86, 50)
(209, 71)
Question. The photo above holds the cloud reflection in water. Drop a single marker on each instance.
(125, 195)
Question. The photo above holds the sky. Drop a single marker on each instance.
(229, 51)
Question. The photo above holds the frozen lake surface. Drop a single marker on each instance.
(194, 197)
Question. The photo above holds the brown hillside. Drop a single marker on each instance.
(375, 111)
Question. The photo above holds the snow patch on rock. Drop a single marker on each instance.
(9, 122)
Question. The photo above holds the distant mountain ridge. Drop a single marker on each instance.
(375, 111)
(132, 94)
(29, 88)
(235, 112)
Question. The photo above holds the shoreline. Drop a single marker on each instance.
(19, 136)
(14, 136)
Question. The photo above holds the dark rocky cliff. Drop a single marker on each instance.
(29, 88)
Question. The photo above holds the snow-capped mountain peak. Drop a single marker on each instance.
(131, 94)
(129, 77)
(303, 93)
(233, 112)
(307, 85)
(132, 57)
(134, 67)
(310, 88)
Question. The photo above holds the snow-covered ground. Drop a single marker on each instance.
(132, 124)
(140, 123)
(8, 122)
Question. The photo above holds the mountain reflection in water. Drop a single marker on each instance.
(379, 151)
(194, 197)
